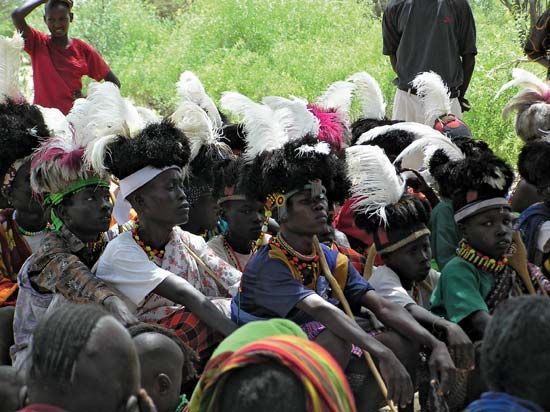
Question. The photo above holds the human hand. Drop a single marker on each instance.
(397, 379)
(461, 347)
(442, 368)
(119, 310)
(415, 180)
(464, 104)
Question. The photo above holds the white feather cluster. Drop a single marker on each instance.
(338, 97)
(195, 123)
(191, 89)
(525, 80)
(375, 184)
(56, 122)
(10, 62)
(304, 122)
(434, 96)
(266, 128)
(306, 149)
(417, 155)
(419, 130)
(370, 95)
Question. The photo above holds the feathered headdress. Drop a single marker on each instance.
(191, 89)
(370, 95)
(304, 122)
(379, 202)
(532, 105)
(10, 62)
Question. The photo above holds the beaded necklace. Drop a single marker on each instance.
(479, 260)
(25, 232)
(231, 253)
(307, 266)
(151, 252)
(95, 246)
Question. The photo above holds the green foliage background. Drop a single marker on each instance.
(277, 47)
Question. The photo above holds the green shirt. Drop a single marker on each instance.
(461, 291)
(445, 234)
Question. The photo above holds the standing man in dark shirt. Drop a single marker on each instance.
(429, 35)
(537, 47)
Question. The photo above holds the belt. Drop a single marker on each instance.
(455, 91)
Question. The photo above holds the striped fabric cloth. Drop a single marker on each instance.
(326, 387)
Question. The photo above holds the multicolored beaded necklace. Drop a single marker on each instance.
(231, 253)
(306, 265)
(151, 252)
(25, 232)
(479, 260)
(96, 246)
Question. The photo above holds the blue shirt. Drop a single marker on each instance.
(269, 290)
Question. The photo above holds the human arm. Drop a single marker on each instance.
(468, 64)
(19, 14)
(535, 48)
(111, 77)
(180, 291)
(476, 323)
(396, 377)
(458, 342)
(399, 319)
(390, 36)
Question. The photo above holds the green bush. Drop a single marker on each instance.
(279, 47)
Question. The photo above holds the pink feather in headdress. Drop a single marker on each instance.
(331, 129)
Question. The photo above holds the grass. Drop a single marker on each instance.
(280, 47)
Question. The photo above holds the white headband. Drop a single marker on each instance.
(129, 185)
(476, 207)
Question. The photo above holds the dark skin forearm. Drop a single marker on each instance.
(179, 291)
(468, 64)
(19, 14)
(393, 61)
(476, 324)
(399, 319)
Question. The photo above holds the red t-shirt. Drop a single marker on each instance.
(57, 71)
(41, 407)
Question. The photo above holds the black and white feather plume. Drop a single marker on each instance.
(418, 154)
(419, 130)
(266, 128)
(10, 63)
(370, 95)
(375, 183)
(191, 89)
(434, 96)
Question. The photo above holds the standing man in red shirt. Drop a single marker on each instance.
(59, 62)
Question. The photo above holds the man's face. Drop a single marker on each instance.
(412, 261)
(58, 19)
(244, 218)
(88, 212)
(205, 211)
(21, 196)
(306, 215)
(489, 232)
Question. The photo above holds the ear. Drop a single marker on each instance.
(71, 17)
(137, 201)
(163, 383)
(61, 212)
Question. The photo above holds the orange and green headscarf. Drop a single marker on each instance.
(325, 384)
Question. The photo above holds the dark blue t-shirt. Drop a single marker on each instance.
(268, 289)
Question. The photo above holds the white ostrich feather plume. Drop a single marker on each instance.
(338, 97)
(497, 182)
(56, 122)
(419, 130)
(191, 89)
(147, 115)
(417, 155)
(306, 149)
(266, 129)
(375, 182)
(525, 80)
(434, 96)
(197, 126)
(304, 122)
(370, 95)
(10, 63)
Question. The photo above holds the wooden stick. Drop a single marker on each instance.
(518, 261)
(206, 269)
(369, 264)
(347, 309)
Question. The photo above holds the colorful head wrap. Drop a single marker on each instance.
(325, 384)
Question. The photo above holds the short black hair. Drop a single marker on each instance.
(53, 3)
(533, 164)
(190, 357)
(515, 354)
(268, 386)
(58, 341)
(158, 145)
